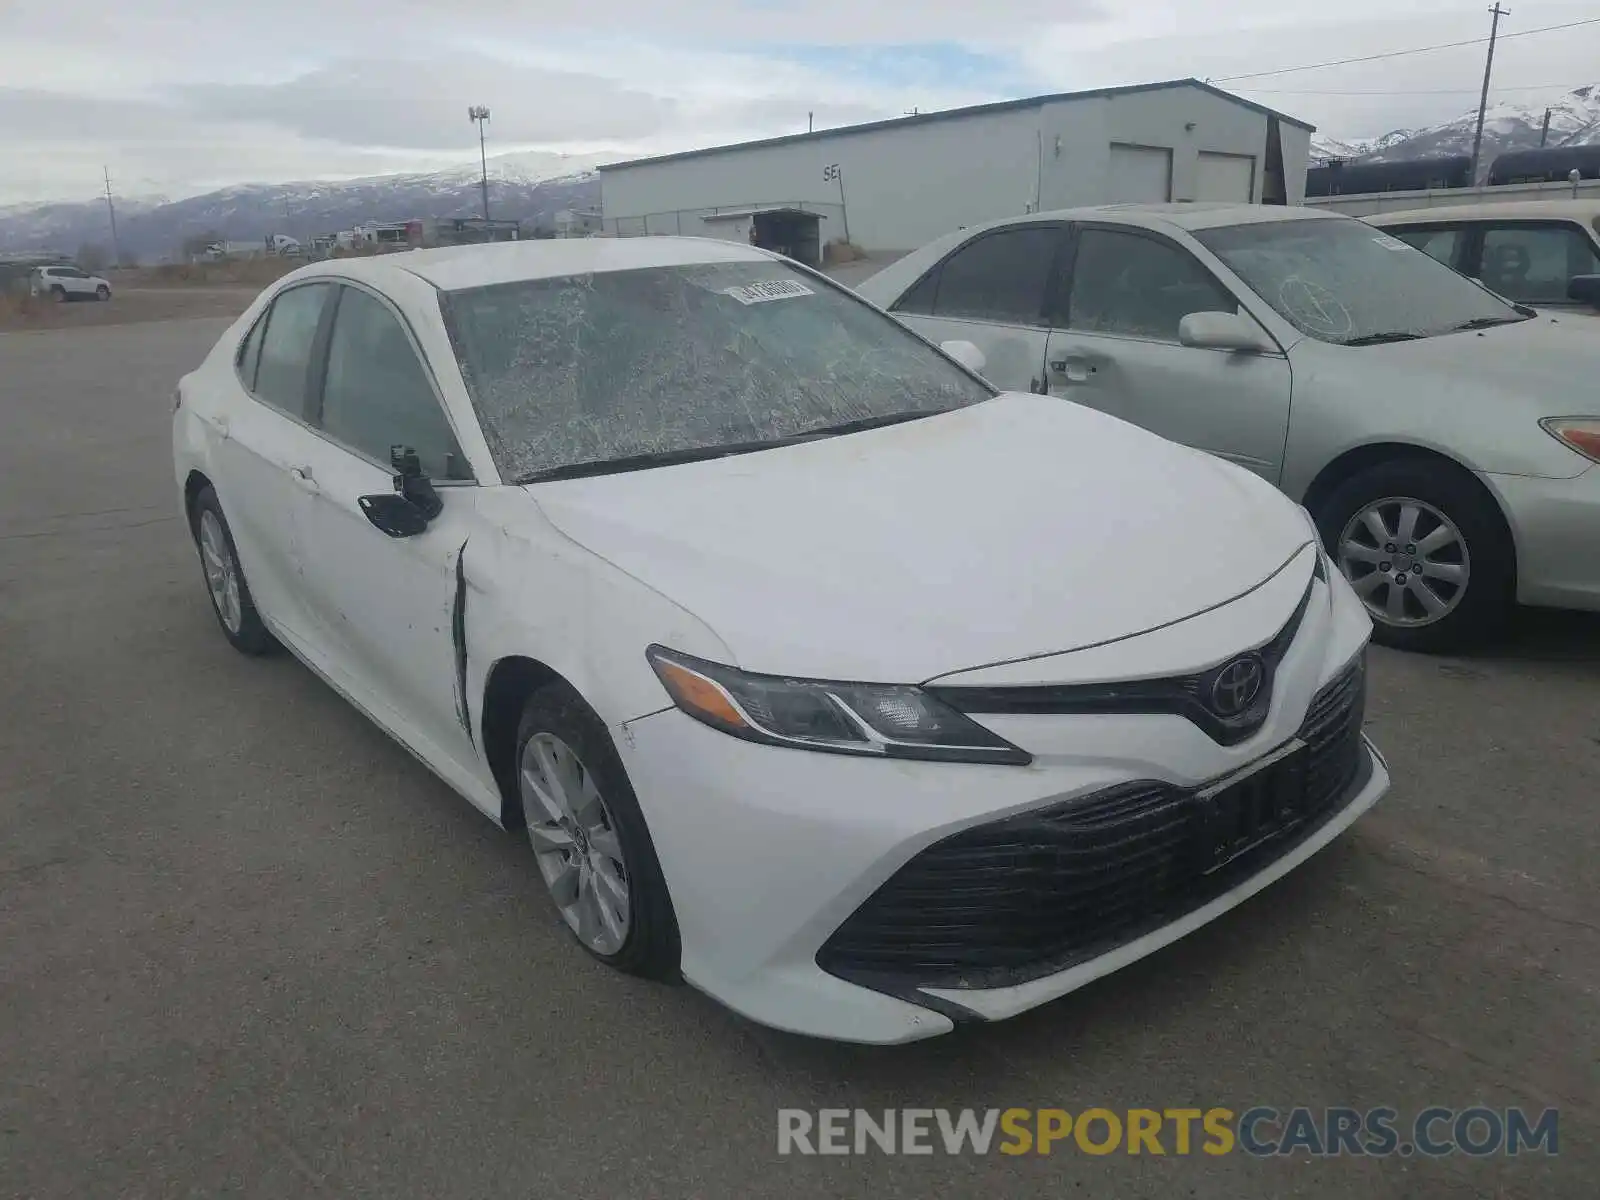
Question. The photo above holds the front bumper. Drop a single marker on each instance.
(768, 852)
(1556, 524)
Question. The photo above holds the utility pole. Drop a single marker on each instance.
(111, 211)
(1483, 98)
(1544, 130)
(479, 116)
(811, 122)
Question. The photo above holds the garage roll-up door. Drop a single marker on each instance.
(1139, 175)
(1227, 178)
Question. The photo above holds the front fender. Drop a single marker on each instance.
(534, 593)
(1342, 404)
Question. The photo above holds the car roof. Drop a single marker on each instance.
(1184, 215)
(451, 268)
(1502, 210)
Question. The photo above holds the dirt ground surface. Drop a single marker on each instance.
(249, 947)
(129, 306)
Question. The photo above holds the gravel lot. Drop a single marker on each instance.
(249, 947)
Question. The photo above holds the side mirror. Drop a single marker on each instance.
(1222, 331)
(965, 353)
(410, 482)
(406, 511)
(1585, 289)
(394, 515)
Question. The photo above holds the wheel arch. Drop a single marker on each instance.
(506, 688)
(195, 483)
(1360, 458)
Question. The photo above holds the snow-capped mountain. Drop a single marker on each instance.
(531, 187)
(1574, 121)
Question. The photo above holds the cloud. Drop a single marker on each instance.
(176, 96)
(422, 105)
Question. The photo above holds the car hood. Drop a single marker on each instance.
(1544, 356)
(1022, 526)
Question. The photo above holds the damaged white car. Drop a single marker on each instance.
(820, 675)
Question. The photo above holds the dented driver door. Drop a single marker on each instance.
(390, 608)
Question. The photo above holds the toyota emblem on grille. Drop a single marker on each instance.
(1237, 685)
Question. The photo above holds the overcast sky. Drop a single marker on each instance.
(176, 96)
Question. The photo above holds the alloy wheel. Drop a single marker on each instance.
(575, 843)
(1407, 561)
(222, 573)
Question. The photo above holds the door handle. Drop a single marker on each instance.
(303, 479)
(220, 424)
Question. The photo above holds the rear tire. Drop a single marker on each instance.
(58, 294)
(589, 836)
(1434, 526)
(231, 601)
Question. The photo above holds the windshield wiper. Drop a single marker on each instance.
(640, 462)
(1486, 323)
(1377, 339)
(859, 424)
(667, 458)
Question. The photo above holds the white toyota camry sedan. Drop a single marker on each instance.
(821, 675)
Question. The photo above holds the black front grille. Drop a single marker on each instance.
(1190, 696)
(1003, 903)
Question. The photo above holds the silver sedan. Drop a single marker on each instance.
(1444, 440)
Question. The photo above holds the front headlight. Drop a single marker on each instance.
(882, 720)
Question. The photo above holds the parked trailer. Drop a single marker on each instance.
(1338, 178)
(1553, 164)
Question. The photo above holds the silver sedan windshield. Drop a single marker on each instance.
(1344, 281)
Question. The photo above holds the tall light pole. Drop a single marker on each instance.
(1483, 99)
(479, 115)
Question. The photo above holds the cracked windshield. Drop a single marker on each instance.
(592, 368)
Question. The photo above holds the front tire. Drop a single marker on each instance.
(589, 837)
(225, 583)
(102, 292)
(1427, 550)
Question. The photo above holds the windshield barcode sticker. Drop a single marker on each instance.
(768, 289)
(1389, 243)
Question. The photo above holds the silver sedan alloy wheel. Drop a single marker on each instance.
(1406, 560)
(222, 573)
(575, 843)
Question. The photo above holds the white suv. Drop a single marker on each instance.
(68, 283)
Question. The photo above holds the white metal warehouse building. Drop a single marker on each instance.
(893, 185)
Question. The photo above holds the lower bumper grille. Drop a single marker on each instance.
(1000, 904)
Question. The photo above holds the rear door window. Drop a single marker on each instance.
(999, 277)
(250, 353)
(283, 375)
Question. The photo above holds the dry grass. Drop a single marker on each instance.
(20, 309)
(226, 273)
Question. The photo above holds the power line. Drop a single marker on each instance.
(1366, 58)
